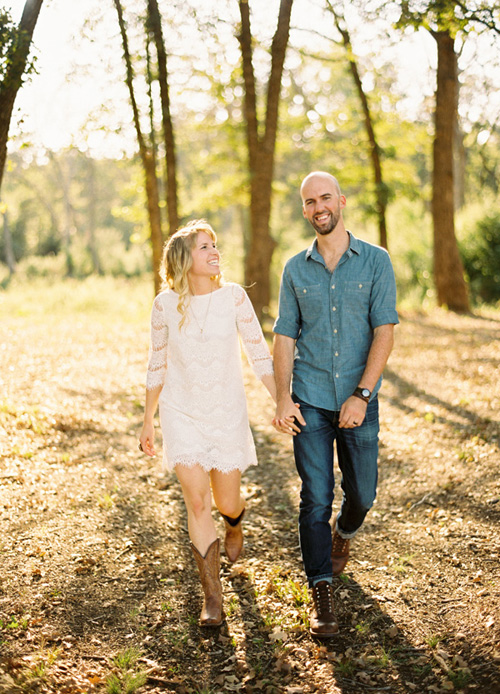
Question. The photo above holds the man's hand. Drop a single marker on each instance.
(287, 415)
(352, 413)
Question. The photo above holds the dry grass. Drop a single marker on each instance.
(93, 540)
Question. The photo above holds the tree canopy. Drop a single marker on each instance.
(322, 121)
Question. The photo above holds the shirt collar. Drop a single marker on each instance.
(354, 247)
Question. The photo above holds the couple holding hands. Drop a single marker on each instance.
(332, 339)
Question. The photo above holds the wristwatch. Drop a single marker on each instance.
(362, 393)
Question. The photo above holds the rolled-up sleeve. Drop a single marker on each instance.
(383, 294)
(288, 320)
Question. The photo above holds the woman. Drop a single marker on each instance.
(195, 376)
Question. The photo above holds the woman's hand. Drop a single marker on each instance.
(288, 417)
(147, 440)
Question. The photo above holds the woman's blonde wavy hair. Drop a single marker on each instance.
(177, 261)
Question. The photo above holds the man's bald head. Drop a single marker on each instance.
(318, 175)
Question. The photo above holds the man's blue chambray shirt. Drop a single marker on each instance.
(332, 317)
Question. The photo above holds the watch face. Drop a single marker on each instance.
(365, 393)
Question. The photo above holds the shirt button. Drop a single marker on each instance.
(335, 330)
(333, 286)
(336, 354)
(336, 375)
(334, 308)
(360, 286)
(305, 291)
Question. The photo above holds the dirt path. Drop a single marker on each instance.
(98, 591)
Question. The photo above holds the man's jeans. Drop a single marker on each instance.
(357, 453)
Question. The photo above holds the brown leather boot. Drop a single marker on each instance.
(322, 621)
(340, 553)
(233, 542)
(209, 568)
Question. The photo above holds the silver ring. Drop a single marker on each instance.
(355, 423)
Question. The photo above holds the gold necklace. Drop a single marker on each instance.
(202, 327)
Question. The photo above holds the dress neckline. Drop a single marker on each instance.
(199, 296)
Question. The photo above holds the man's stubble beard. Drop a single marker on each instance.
(334, 220)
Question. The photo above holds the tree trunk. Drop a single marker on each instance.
(69, 228)
(148, 160)
(448, 269)
(91, 224)
(168, 128)
(8, 246)
(261, 151)
(12, 81)
(460, 165)
(46, 202)
(381, 191)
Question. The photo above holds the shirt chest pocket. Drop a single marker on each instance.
(356, 296)
(309, 300)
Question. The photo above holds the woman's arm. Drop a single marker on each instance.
(157, 367)
(270, 384)
(147, 437)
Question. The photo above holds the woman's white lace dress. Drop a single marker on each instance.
(203, 409)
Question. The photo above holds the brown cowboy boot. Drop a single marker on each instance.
(322, 621)
(233, 542)
(209, 568)
(340, 553)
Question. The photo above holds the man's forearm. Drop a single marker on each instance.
(381, 347)
(283, 351)
(288, 418)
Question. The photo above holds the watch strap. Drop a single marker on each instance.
(358, 393)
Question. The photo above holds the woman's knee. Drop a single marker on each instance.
(195, 483)
(231, 507)
(227, 493)
(198, 503)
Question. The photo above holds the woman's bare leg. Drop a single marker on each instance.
(227, 493)
(195, 483)
(228, 499)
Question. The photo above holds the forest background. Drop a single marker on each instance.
(357, 91)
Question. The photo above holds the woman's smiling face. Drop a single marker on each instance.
(206, 257)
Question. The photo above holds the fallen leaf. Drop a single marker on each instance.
(278, 635)
(460, 662)
(364, 677)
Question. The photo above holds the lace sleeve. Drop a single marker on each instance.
(157, 364)
(254, 343)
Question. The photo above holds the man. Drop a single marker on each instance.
(333, 336)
